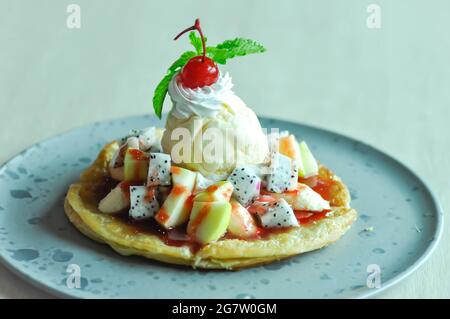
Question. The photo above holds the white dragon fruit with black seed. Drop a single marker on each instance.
(283, 174)
(133, 142)
(246, 184)
(159, 169)
(304, 198)
(131, 133)
(118, 157)
(143, 202)
(278, 215)
(146, 138)
(150, 139)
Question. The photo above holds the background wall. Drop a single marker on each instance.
(388, 87)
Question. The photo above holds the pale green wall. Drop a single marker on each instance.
(322, 62)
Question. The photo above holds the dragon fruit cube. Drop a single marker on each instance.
(283, 174)
(159, 170)
(246, 184)
(278, 215)
(143, 202)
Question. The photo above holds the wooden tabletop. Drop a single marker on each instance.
(388, 87)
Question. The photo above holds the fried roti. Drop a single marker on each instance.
(81, 207)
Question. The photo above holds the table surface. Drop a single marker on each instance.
(387, 87)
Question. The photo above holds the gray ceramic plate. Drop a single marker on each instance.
(38, 243)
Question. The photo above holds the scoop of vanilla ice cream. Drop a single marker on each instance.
(211, 130)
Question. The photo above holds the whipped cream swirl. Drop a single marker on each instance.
(204, 102)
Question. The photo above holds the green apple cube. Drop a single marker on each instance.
(220, 191)
(176, 208)
(310, 166)
(242, 224)
(209, 221)
(135, 166)
(184, 177)
(117, 199)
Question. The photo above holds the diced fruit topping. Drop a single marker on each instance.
(117, 199)
(150, 139)
(289, 146)
(118, 158)
(278, 215)
(159, 169)
(182, 176)
(143, 202)
(209, 221)
(176, 208)
(133, 142)
(304, 198)
(246, 184)
(201, 183)
(283, 173)
(220, 191)
(261, 204)
(115, 167)
(136, 166)
(208, 206)
(163, 193)
(131, 133)
(242, 224)
(310, 166)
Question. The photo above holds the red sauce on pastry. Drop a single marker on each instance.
(125, 187)
(178, 236)
(306, 218)
(319, 185)
(173, 237)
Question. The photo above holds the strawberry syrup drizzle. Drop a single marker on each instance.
(178, 237)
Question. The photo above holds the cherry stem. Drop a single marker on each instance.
(197, 27)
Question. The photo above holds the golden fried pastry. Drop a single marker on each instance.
(83, 197)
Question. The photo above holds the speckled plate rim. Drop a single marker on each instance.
(439, 227)
(438, 210)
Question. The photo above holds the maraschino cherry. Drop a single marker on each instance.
(199, 71)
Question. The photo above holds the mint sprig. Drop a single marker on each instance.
(196, 42)
(219, 53)
(161, 89)
(232, 48)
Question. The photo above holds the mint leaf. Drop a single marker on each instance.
(240, 46)
(160, 94)
(232, 48)
(218, 55)
(161, 89)
(181, 61)
(196, 42)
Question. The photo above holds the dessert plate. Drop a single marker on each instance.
(400, 223)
